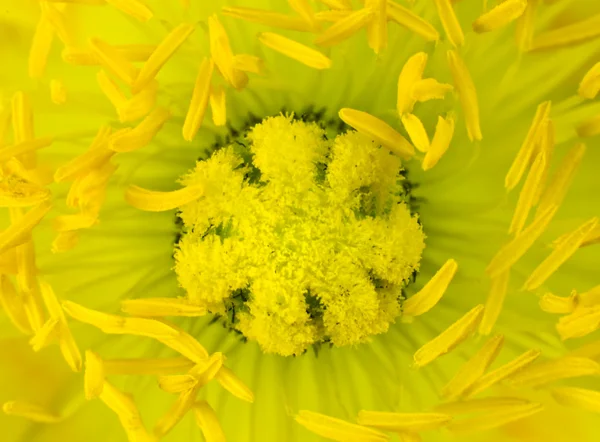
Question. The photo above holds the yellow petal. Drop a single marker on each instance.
(551, 303)
(207, 420)
(377, 27)
(411, 74)
(449, 338)
(416, 131)
(114, 61)
(527, 195)
(444, 131)
(147, 366)
(199, 101)
(378, 130)
(488, 404)
(578, 398)
(45, 335)
(158, 307)
(429, 89)
(218, 105)
(134, 8)
(93, 380)
(58, 92)
(177, 383)
(30, 411)
(568, 35)
(19, 233)
(581, 322)
(13, 305)
(495, 419)
(40, 47)
(268, 18)
(450, 22)
(408, 19)
(230, 382)
(552, 371)
(345, 27)
(140, 136)
(222, 54)
(525, 25)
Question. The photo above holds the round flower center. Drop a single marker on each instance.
(299, 239)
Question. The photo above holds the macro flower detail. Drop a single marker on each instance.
(306, 220)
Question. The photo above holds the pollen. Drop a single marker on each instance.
(290, 48)
(432, 292)
(500, 16)
(449, 338)
(337, 429)
(225, 261)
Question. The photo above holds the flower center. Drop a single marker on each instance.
(301, 238)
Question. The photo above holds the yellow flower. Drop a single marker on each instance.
(303, 220)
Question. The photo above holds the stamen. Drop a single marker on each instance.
(129, 140)
(218, 105)
(590, 298)
(249, 63)
(561, 180)
(474, 368)
(411, 74)
(221, 53)
(230, 382)
(432, 292)
(164, 51)
(578, 398)
(580, 323)
(558, 304)
(207, 420)
(30, 411)
(568, 35)
(429, 89)
(503, 372)
(93, 158)
(511, 252)
(290, 48)
(134, 8)
(416, 132)
(337, 4)
(114, 61)
(377, 27)
(378, 130)
(530, 188)
(345, 27)
(440, 143)
(177, 383)
(93, 379)
(268, 18)
(466, 93)
(480, 405)
(24, 148)
(68, 346)
(494, 420)
(65, 241)
(523, 158)
(154, 201)
(186, 345)
(304, 10)
(40, 47)
(547, 142)
(333, 15)
(450, 22)
(500, 16)
(589, 127)
(158, 307)
(112, 324)
(525, 24)
(182, 405)
(199, 102)
(143, 366)
(19, 232)
(111, 90)
(559, 255)
(564, 368)
(405, 17)
(403, 421)
(337, 429)
(13, 305)
(58, 92)
(590, 85)
(449, 338)
(45, 335)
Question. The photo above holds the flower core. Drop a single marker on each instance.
(299, 239)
